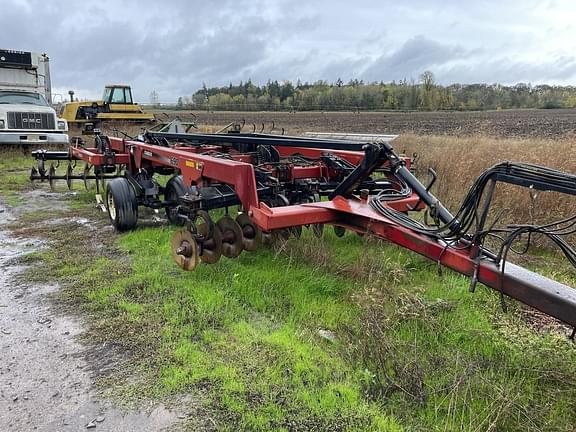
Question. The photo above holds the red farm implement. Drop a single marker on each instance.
(282, 183)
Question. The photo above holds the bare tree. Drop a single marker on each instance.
(427, 80)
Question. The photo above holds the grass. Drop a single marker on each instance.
(460, 160)
(248, 330)
(411, 349)
(14, 171)
(414, 350)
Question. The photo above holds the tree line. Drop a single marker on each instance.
(424, 94)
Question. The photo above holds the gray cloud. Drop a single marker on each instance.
(416, 55)
(174, 46)
(505, 70)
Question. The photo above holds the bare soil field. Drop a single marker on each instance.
(505, 124)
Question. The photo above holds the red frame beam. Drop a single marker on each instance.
(93, 157)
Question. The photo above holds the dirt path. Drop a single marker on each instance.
(46, 375)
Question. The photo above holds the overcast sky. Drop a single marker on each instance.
(173, 46)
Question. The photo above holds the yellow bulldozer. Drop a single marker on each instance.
(117, 105)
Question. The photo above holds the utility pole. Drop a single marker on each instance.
(154, 98)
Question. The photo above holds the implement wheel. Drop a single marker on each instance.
(122, 204)
(174, 188)
(185, 250)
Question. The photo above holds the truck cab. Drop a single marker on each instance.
(26, 116)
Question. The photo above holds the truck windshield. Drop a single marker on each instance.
(22, 98)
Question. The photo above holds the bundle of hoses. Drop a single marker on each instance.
(467, 216)
(394, 190)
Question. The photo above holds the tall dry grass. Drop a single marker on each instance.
(458, 161)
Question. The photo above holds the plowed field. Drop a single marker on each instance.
(509, 124)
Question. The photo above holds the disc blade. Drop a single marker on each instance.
(232, 239)
(251, 234)
(185, 250)
(211, 248)
(267, 238)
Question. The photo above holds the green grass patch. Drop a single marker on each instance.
(14, 172)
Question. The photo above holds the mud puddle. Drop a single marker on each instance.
(46, 375)
(38, 199)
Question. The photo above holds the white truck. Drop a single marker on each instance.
(26, 116)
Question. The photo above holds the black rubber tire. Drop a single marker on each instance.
(174, 189)
(122, 204)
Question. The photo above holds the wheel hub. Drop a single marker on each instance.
(111, 206)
